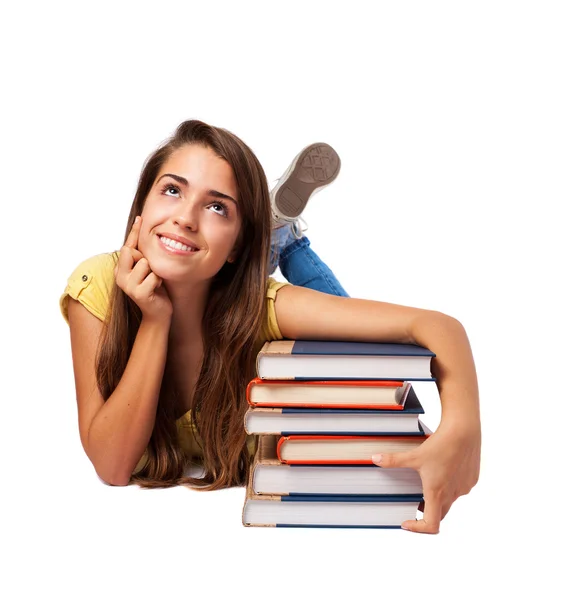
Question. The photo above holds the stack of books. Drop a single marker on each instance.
(321, 410)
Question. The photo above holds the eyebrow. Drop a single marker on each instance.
(184, 181)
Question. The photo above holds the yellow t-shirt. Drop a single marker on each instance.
(91, 283)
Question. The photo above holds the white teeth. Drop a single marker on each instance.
(177, 245)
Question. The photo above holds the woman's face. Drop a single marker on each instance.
(193, 198)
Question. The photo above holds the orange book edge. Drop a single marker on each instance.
(349, 383)
(285, 438)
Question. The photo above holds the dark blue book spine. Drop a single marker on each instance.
(352, 498)
(356, 433)
(372, 497)
(358, 348)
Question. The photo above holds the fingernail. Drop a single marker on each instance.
(405, 527)
(377, 458)
(136, 220)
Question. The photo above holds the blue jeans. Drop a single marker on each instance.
(300, 265)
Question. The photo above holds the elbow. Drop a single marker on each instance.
(110, 472)
(446, 320)
(119, 480)
(112, 475)
(432, 325)
(113, 479)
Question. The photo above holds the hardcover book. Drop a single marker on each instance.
(318, 421)
(376, 394)
(334, 449)
(306, 359)
(268, 475)
(384, 512)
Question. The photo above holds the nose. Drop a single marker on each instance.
(187, 218)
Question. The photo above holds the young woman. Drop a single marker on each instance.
(165, 332)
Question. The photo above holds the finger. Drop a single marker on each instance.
(446, 508)
(431, 521)
(444, 511)
(151, 283)
(393, 460)
(124, 263)
(136, 254)
(140, 272)
(126, 259)
(132, 239)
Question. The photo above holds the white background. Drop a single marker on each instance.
(456, 126)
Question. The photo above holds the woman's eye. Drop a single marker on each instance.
(221, 207)
(171, 188)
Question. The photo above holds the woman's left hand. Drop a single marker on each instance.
(448, 463)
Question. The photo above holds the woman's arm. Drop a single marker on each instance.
(448, 461)
(115, 433)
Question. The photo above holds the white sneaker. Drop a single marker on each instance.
(299, 227)
(312, 169)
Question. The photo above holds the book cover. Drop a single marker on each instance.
(336, 421)
(348, 449)
(269, 476)
(332, 360)
(381, 394)
(383, 512)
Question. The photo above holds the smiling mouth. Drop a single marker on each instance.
(177, 246)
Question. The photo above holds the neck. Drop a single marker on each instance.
(188, 305)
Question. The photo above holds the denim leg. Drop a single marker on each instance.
(280, 237)
(301, 266)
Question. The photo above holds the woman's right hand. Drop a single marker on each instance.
(135, 277)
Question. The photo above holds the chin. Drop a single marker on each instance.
(167, 269)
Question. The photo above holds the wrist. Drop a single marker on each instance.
(157, 322)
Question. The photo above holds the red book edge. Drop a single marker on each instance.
(285, 438)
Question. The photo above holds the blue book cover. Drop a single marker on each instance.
(376, 512)
(352, 498)
(333, 360)
(323, 347)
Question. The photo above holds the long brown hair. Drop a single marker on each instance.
(232, 320)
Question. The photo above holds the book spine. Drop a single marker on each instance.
(249, 387)
(259, 356)
(381, 498)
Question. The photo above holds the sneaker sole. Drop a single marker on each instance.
(314, 167)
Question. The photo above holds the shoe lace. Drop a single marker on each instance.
(299, 227)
